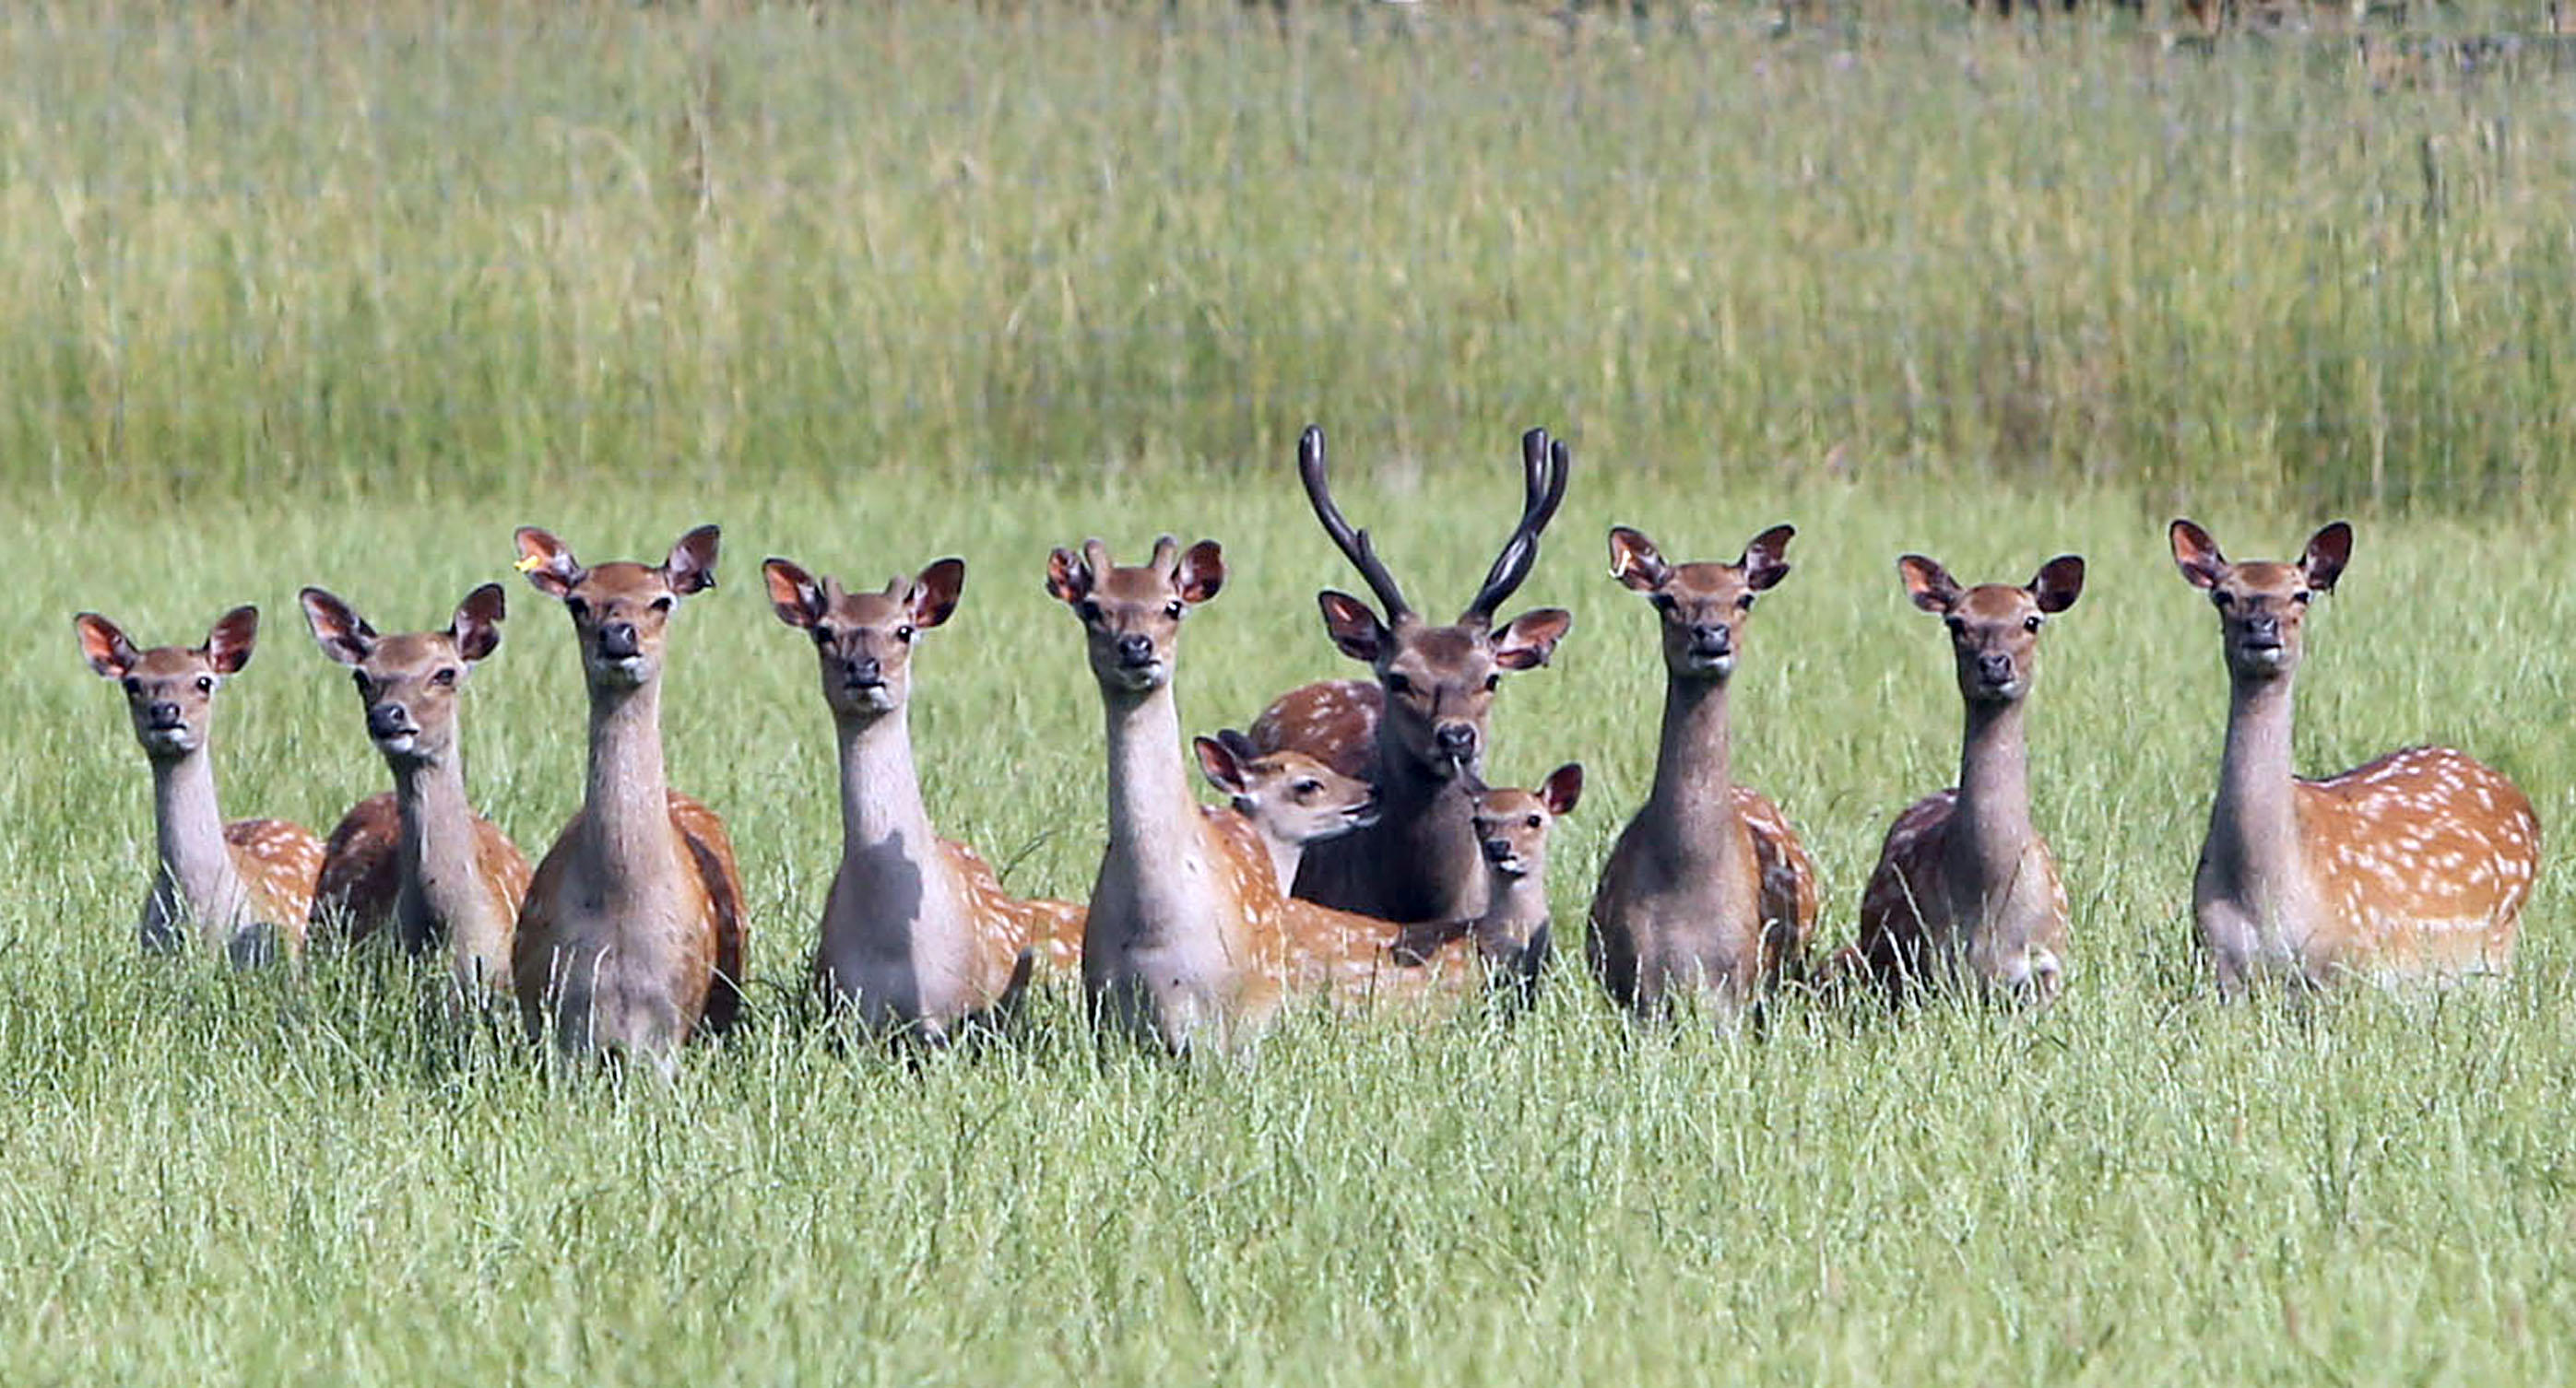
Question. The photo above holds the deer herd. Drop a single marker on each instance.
(1361, 864)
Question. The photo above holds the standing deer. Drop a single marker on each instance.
(420, 860)
(1708, 891)
(2415, 865)
(241, 889)
(917, 931)
(1513, 935)
(1189, 940)
(1419, 733)
(632, 935)
(1965, 887)
(1290, 799)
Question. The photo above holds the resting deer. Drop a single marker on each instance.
(1419, 733)
(917, 931)
(1512, 828)
(632, 935)
(1708, 891)
(1965, 887)
(2415, 865)
(241, 889)
(1189, 940)
(1290, 799)
(420, 860)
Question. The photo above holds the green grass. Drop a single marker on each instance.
(287, 297)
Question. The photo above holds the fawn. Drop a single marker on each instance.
(1290, 799)
(1512, 936)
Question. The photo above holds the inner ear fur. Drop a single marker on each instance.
(104, 646)
(476, 627)
(1526, 642)
(2196, 555)
(337, 628)
(2059, 583)
(795, 595)
(933, 596)
(1635, 561)
(1354, 628)
(1928, 583)
(1562, 789)
(1217, 763)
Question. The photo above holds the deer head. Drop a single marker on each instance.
(170, 690)
(620, 610)
(2262, 607)
(1704, 606)
(865, 640)
(1293, 797)
(1439, 681)
(1994, 627)
(1132, 616)
(1512, 825)
(409, 683)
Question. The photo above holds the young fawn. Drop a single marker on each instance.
(1419, 733)
(632, 934)
(241, 889)
(917, 931)
(420, 860)
(1512, 937)
(1965, 887)
(1290, 799)
(2415, 865)
(1708, 891)
(1189, 941)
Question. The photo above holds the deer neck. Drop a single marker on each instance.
(2253, 823)
(1157, 837)
(441, 858)
(626, 813)
(1515, 908)
(1990, 823)
(1284, 858)
(881, 809)
(1692, 807)
(1425, 837)
(197, 878)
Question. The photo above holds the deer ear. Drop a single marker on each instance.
(1355, 630)
(2059, 584)
(1202, 572)
(105, 647)
(1635, 562)
(1530, 638)
(342, 634)
(228, 646)
(793, 593)
(1243, 747)
(2328, 551)
(1562, 788)
(1927, 583)
(548, 562)
(1068, 577)
(476, 627)
(1766, 560)
(2196, 555)
(1217, 763)
(692, 565)
(933, 595)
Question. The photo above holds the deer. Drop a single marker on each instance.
(1512, 936)
(1419, 732)
(1966, 890)
(240, 890)
(1189, 943)
(1288, 798)
(2411, 867)
(632, 934)
(418, 860)
(918, 935)
(1708, 893)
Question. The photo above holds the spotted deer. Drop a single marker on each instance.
(1189, 941)
(419, 860)
(242, 889)
(1966, 890)
(631, 937)
(1419, 733)
(1513, 935)
(1290, 799)
(1708, 891)
(2412, 866)
(917, 933)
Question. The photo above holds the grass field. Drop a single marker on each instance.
(354, 314)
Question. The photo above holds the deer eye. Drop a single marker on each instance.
(1306, 790)
(359, 678)
(1531, 822)
(1956, 626)
(2303, 597)
(1744, 603)
(2221, 596)
(2030, 623)
(133, 687)
(904, 634)
(1397, 683)
(445, 678)
(205, 684)
(822, 635)
(579, 609)
(662, 603)
(1663, 602)
(1175, 609)
(1088, 610)
(1492, 683)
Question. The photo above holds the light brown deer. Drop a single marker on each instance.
(917, 934)
(1708, 891)
(2412, 866)
(1290, 799)
(437, 874)
(240, 889)
(1513, 935)
(1189, 941)
(1966, 889)
(632, 934)
(1419, 734)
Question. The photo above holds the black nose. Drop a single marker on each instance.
(863, 673)
(388, 720)
(1714, 639)
(617, 640)
(162, 715)
(1498, 849)
(1136, 649)
(1995, 669)
(2266, 628)
(1456, 739)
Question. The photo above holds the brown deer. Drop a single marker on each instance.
(917, 933)
(240, 889)
(1419, 733)
(2415, 865)
(1290, 799)
(1965, 888)
(632, 934)
(1708, 891)
(1189, 940)
(419, 860)
(1512, 936)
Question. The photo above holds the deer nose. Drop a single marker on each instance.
(1497, 850)
(1455, 739)
(162, 715)
(862, 673)
(2263, 628)
(617, 640)
(1716, 638)
(1136, 648)
(1995, 669)
(388, 720)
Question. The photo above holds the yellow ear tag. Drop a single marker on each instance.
(530, 563)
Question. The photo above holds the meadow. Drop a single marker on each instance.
(287, 297)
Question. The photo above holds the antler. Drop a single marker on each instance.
(1545, 465)
(1354, 543)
